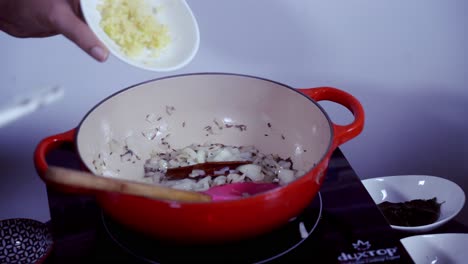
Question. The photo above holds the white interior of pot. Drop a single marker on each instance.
(277, 120)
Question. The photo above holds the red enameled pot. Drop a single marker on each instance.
(118, 135)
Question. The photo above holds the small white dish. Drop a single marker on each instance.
(182, 27)
(404, 188)
(437, 248)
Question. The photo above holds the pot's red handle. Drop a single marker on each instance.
(47, 145)
(346, 132)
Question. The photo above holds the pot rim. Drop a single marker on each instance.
(295, 182)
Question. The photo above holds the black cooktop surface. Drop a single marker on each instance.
(341, 225)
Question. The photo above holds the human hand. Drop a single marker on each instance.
(44, 18)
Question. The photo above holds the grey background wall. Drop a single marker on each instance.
(406, 61)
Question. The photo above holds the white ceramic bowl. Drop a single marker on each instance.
(438, 248)
(182, 26)
(409, 187)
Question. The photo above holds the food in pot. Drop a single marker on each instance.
(133, 26)
(416, 212)
(264, 167)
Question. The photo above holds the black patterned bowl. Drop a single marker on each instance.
(24, 241)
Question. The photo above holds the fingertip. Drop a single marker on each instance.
(71, 26)
(99, 53)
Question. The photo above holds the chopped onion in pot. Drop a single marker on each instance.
(197, 173)
(233, 178)
(264, 167)
(254, 172)
(220, 180)
(285, 176)
(221, 171)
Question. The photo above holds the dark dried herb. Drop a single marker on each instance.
(411, 213)
(241, 127)
(170, 109)
(209, 129)
(220, 127)
(148, 136)
(127, 152)
(290, 161)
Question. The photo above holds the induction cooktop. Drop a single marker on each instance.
(341, 225)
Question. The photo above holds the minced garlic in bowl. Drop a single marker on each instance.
(132, 25)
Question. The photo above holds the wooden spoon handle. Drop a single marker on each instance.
(84, 180)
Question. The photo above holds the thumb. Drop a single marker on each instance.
(68, 24)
